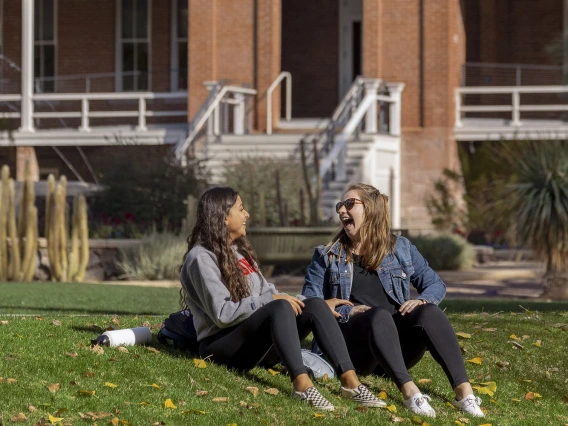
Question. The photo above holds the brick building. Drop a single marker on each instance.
(92, 73)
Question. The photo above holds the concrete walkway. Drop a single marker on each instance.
(503, 279)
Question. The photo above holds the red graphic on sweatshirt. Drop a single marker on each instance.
(245, 267)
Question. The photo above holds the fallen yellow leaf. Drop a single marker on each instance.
(391, 408)
(252, 389)
(483, 390)
(416, 420)
(463, 335)
(272, 391)
(86, 392)
(273, 372)
(169, 404)
(489, 329)
(319, 415)
(56, 323)
(54, 387)
(486, 424)
(153, 350)
(115, 421)
(199, 363)
(21, 417)
(382, 395)
(464, 420)
(221, 399)
(54, 420)
(477, 360)
(231, 424)
(515, 399)
(10, 380)
(154, 385)
(424, 381)
(538, 343)
(193, 411)
(201, 393)
(459, 423)
(512, 336)
(537, 395)
(144, 403)
(31, 408)
(110, 385)
(396, 419)
(122, 349)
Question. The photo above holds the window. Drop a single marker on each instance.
(44, 45)
(178, 77)
(133, 36)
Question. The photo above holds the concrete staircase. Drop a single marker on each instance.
(283, 146)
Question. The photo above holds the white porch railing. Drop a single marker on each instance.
(515, 107)
(84, 112)
(283, 75)
(366, 112)
(210, 113)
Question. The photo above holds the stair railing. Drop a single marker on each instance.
(366, 112)
(283, 75)
(210, 113)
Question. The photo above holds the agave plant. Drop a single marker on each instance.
(538, 197)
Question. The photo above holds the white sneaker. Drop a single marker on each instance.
(418, 404)
(313, 397)
(470, 405)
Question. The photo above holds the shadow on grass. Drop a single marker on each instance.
(64, 310)
(491, 305)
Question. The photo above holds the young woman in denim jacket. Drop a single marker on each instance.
(364, 274)
(239, 317)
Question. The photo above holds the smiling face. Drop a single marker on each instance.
(352, 219)
(236, 220)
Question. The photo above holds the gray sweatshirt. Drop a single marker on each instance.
(208, 298)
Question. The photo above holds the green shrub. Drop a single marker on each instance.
(157, 257)
(445, 251)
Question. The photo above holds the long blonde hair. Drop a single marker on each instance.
(377, 240)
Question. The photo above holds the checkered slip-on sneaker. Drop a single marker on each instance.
(418, 404)
(313, 397)
(470, 405)
(362, 395)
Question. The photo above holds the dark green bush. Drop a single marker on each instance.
(445, 251)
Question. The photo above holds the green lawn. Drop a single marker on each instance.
(46, 330)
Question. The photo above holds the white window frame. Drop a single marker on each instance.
(119, 41)
(49, 43)
(175, 40)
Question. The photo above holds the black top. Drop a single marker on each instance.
(367, 289)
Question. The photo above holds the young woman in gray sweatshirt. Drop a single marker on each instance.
(239, 317)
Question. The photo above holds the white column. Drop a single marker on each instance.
(395, 108)
(27, 109)
(239, 114)
(371, 87)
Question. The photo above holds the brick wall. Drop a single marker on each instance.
(86, 42)
(512, 31)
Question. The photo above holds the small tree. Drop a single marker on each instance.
(258, 183)
(147, 186)
(446, 210)
(538, 199)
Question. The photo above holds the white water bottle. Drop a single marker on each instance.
(125, 337)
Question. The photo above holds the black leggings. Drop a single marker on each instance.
(246, 344)
(386, 344)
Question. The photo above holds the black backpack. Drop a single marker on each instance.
(179, 332)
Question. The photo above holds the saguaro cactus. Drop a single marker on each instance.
(18, 242)
(66, 266)
(79, 256)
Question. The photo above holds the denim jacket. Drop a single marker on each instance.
(328, 280)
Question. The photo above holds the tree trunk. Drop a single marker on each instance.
(555, 285)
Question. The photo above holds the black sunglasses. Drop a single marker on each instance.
(349, 203)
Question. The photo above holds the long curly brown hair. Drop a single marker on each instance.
(211, 232)
(377, 239)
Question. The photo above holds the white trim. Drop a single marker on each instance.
(52, 42)
(174, 41)
(27, 71)
(119, 41)
(350, 11)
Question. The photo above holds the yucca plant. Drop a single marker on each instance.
(538, 199)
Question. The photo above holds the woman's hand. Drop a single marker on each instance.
(296, 303)
(333, 303)
(359, 309)
(408, 306)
